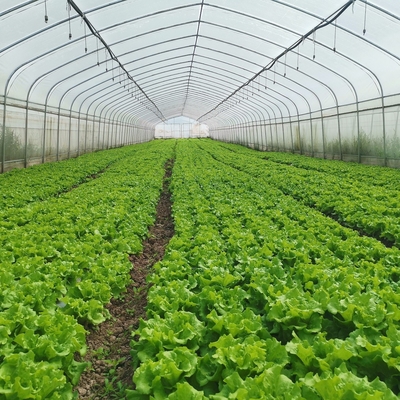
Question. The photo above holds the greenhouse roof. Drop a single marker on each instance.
(213, 61)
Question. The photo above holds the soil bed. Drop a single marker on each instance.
(109, 343)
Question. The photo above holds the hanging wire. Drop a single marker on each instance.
(46, 17)
(298, 58)
(272, 64)
(352, 7)
(314, 36)
(105, 57)
(266, 79)
(112, 69)
(97, 53)
(84, 32)
(69, 21)
(365, 18)
(284, 71)
(334, 40)
(112, 56)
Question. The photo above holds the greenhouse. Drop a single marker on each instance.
(200, 200)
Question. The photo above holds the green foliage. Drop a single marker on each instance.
(39, 182)
(266, 297)
(361, 197)
(362, 144)
(259, 296)
(14, 150)
(62, 258)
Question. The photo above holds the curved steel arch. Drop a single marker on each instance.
(107, 28)
(171, 9)
(17, 7)
(85, 90)
(363, 38)
(362, 67)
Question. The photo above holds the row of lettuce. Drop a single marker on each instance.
(261, 297)
(21, 187)
(353, 194)
(375, 175)
(64, 255)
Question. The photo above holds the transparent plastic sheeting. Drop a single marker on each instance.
(319, 78)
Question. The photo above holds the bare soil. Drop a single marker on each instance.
(109, 343)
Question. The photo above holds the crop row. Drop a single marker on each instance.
(20, 187)
(371, 209)
(355, 172)
(62, 260)
(373, 175)
(261, 297)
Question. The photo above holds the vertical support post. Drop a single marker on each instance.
(85, 145)
(26, 135)
(58, 134)
(69, 133)
(86, 132)
(79, 133)
(384, 132)
(3, 136)
(44, 134)
(312, 138)
(339, 133)
(99, 133)
(323, 135)
(277, 134)
(291, 133)
(272, 136)
(283, 134)
(358, 133)
(299, 128)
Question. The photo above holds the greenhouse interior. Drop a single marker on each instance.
(200, 199)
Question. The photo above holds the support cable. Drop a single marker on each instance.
(327, 21)
(96, 33)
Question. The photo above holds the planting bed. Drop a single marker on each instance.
(281, 279)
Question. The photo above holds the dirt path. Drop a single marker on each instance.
(109, 343)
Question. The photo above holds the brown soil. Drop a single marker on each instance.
(109, 343)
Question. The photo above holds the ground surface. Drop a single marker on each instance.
(109, 343)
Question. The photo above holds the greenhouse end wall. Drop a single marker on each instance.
(39, 134)
(365, 133)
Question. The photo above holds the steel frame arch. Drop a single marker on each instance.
(382, 95)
